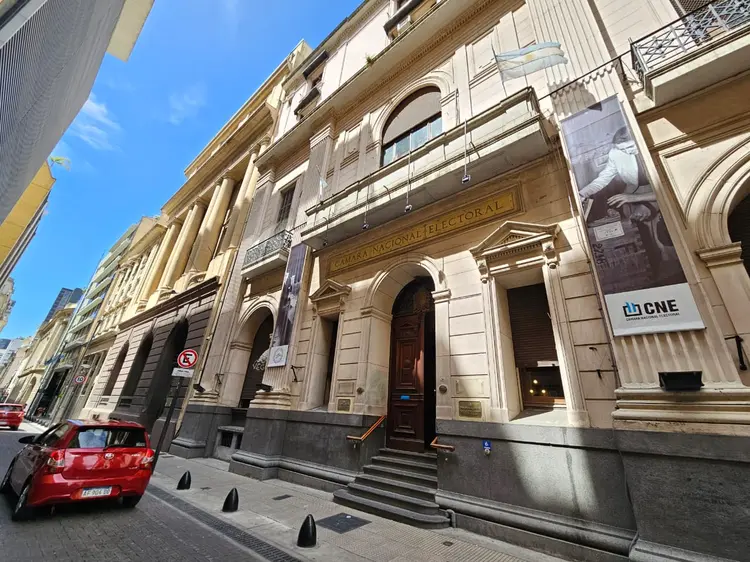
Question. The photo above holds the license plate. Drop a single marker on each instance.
(96, 492)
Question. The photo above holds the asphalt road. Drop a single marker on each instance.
(153, 531)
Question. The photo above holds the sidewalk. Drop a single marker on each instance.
(273, 511)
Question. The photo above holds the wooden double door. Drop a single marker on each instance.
(411, 396)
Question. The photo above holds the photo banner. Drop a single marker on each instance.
(644, 286)
(282, 333)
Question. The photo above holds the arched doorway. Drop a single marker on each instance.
(739, 228)
(411, 386)
(255, 368)
(114, 374)
(136, 370)
(161, 382)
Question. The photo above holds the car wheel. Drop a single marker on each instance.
(14, 428)
(130, 501)
(5, 487)
(22, 510)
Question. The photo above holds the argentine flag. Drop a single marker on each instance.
(519, 63)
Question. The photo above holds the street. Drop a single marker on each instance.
(105, 531)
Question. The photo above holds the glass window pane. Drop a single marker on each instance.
(419, 137)
(436, 126)
(388, 154)
(402, 147)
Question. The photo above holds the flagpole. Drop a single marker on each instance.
(497, 64)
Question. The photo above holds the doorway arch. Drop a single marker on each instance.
(739, 228)
(261, 342)
(114, 374)
(136, 369)
(161, 381)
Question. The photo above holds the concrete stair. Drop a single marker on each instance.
(398, 485)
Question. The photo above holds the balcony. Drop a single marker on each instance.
(503, 137)
(268, 255)
(702, 48)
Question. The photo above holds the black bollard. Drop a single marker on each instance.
(232, 502)
(308, 535)
(185, 481)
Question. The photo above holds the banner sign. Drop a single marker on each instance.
(644, 286)
(282, 333)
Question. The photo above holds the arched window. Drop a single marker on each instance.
(739, 228)
(412, 124)
(139, 362)
(115, 372)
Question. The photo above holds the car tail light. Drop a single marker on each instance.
(148, 460)
(56, 461)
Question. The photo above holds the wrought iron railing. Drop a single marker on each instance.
(277, 242)
(691, 31)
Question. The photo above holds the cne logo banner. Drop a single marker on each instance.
(658, 309)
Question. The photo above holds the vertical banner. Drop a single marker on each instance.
(282, 333)
(644, 286)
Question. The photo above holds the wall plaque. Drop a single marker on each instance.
(472, 214)
(344, 405)
(470, 408)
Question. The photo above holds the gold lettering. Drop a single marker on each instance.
(453, 220)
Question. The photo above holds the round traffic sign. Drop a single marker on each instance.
(79, 379)
(187, 359)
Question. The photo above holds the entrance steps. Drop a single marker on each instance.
(398, 485)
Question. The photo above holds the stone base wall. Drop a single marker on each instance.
(199, 430)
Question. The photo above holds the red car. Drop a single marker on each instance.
(11, 415)
(77, 461)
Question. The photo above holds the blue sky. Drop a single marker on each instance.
(195, 63)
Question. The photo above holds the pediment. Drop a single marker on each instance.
(516, 237)
(330, 289)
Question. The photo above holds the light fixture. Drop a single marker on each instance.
(466, 179)
(408, 209)
(325, 242)
(676, 381)
(544, 391)
(365, 226)
(536, 381)
(531, 391)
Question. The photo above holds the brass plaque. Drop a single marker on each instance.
(473, 214)
(470, 408)
(344, 405)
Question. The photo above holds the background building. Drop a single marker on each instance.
(6, 301)
(63, 299)
(20, 226)
(527, 284)
(50, 53)
(76, 356)
(14, 367)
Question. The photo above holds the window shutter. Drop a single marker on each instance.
(531, 327)
(417, 108)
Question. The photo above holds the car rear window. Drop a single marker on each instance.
(100, 437)
(10, 408)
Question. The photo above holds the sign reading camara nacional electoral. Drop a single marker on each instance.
(641, 277)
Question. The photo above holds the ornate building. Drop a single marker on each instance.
(515, 297)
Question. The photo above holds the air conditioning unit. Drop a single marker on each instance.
(403, 24)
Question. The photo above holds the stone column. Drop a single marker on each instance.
(178, 259)
(241, 205)
(443, 399)
(210, 228)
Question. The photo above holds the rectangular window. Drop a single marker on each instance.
(100, 437)
(286, 206)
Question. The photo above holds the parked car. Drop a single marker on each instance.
(77, 461)
(11, 415)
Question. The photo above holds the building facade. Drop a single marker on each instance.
(471, 264)
(6, 301)
(39, 356)
(80, 357)
(19, 227)
(50, 35)
(64, 298)
(204, 222)
(10, 372)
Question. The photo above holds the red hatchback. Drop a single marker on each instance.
(11, 415)
(77, 461)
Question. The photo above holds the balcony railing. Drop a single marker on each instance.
(693, 30)
(274, 244)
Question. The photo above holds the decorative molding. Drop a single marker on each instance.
(440, 296)
(730, 254)
(515, 238)
(330, 289)
(371, 311)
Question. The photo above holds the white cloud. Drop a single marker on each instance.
(186, 104)
(95, 125)
(231, 15)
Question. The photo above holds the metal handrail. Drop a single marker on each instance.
(690, 31)
(438, 447)
(277, 242)
(359, 439)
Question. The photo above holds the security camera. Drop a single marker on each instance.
(365, 226)
(408, 209)
(466, 179)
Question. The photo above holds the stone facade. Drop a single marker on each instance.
(484, 205)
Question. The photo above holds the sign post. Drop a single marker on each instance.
(186, 360)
